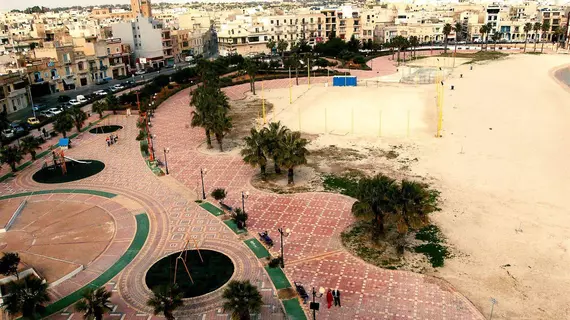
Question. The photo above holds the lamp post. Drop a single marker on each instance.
(166, 150)
(315, 306)
(244, 195)
(152, 136)
(285, 233)
(202, 173)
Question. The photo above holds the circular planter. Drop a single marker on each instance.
(76, 170)
(105, 129)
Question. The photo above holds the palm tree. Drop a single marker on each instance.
(414, 43)
(483, 30)
(250, 67)
(271, 45)
(112, 103)
(94, 303)
(63, 123)
(377, 197)
(274, 135)
(9, 264)
(253, 152)
(208, 100)
(293, 153)
(545, 28)
(282, 46)
(294, 62)
(219, 194)
(165, 300)
(79, 116)
(98, 107)
(30, 144)
(496, 37)
(241, 298)
(220, 126)
(527, 28)
(11, 155)
(458, 28)
(536, 28)
(27, 296)
(446, 31)
(413, 204)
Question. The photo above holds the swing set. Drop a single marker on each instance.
(183, 260)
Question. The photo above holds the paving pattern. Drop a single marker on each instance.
(313, 253)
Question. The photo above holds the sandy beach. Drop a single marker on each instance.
(501, 167)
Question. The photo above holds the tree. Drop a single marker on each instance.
(414, 42)
(165, 300)
(240, 218)
(30, 144)
(545, 28)
(94, 303)
(282, 46)
(112, 103)
(250, 67)
(271, 45)
(63, 123)
(12, 156)
(496, 37)
(293, 153)
(413, 204)
(208, 101)
(536, 28)
(274, 135)
(458, 28)
(446, 31)
(27, 296)
(527, 28)
(375, 197)
(9, 264)
(353, 44)
(241, 298)
(253, 153)
(483, 30)
(220, 126)
(79, 116)
(294, 63)
(219, 194)
(99, 107)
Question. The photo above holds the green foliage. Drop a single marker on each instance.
(63, 123)
(142, 135)
(9, 264)
(219, 194)
(11, 155)
(99, 107)
(429, 233)
(144, 147)
(346, 184)
(112, 103)
(240, 218)
(165, 300)
(359, 60)
(30, 144)
(293, 153)
(435, 252)
(241, 298)
(27, 297)
(94, 303)
(274, 262)
(184, 75)
(253, 152)
(79, 116)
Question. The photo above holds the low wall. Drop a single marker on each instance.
(14, 216)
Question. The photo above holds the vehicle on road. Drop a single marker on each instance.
(74, 102)
(55, 111)
(140, 72)
(47, 114)
(81, 98)
(129, 83)
(38, 107)
(33, 121)
(63, 98)
(17, 127)
(100, 92)
(7, 133)
(189, 59)
(101, 81)
(116, 88)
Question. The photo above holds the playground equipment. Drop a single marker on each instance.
(185, 253)
(58, 158)
(78, 161)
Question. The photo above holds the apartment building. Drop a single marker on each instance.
(186, 43)
(14, 92)
(151, 45)
(59, 70)
(241, 37)
(556, 18)
(343, 22)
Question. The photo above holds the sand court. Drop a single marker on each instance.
(392, 110)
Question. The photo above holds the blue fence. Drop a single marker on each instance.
(344, 81)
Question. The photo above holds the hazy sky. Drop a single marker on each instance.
(6, 5)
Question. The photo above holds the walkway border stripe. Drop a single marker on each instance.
(278, 278)
(293, 309)
(143, 226)
(212, 209)
(257, 248)
(104, 194)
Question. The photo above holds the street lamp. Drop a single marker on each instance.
(166, 150)
(285, 233)
(202, 173)
(314, 305)
(244, 195)
(152, 136)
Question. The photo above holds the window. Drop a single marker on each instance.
(108, 50)
(271, 21)
(116, 49)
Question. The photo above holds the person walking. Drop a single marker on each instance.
(336, 296)
(108, 142)
(329, 298)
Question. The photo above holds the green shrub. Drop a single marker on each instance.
(359, 60)
(435, 252)
(144, 147)
(142, 135)
(274, 262)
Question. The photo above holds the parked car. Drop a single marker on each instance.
(140, 72)
(129, 83)
(81, 99)
(17, 127)
(47, 114)
(55, 111)
(101, 81)
(100, 92)
(74, 102)
(38, 107)
(117, 87)
(33, 121)
(63, 98)
(7, 133)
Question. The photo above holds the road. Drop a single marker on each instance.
(51, 100)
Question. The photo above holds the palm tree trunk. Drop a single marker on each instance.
(64, 134)
(208, 138)
(263, 175)
(290, 175)
(534, 46)
(219, 138)
(98, 316)
(13, 167)
(542, 47)
(33, 154)
(398, 56)
(525, 44)
(276, 166)
(380, 222)
(445, 47)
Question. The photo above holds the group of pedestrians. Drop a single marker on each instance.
(333, 295)
(112, 139)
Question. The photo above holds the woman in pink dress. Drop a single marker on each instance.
(329, 298)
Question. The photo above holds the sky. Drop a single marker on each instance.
(6, 5)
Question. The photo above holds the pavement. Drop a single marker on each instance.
(313, 251)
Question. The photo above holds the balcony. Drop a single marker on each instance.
(17, 92)
(38, 80)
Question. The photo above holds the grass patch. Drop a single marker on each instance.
(536, 53)
(380, 252)
(434, 249)
(477, 56)
(345, 184)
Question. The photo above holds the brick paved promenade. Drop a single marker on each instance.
(313, 252)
